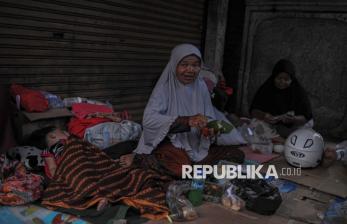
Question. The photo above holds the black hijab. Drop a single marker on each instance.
(277, 101)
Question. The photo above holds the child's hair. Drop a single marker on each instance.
(39, 137)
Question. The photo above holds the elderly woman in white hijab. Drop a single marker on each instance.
(179, 107)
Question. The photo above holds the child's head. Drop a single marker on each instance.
(48, 136)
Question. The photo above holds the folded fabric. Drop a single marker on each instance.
(31, 100)
(81, 110)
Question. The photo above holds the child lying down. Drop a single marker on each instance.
(83, 176)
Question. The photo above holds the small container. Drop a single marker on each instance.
(264, 148)
(279, 148)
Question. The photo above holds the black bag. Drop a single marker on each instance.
(260, 197)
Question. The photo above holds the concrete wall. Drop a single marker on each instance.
(232, 47)
(313, 35)
(217, 12)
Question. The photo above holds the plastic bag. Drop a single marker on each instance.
(259, 196)
(342, 145)
(258, 135)
(180, 207)
(31, 100)
(336, 213)
(110, 133)
(231, 200)
(213, 192)
(54, 101)
(341, 149)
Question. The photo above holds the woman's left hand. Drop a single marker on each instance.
(208, 132)
(288, 119)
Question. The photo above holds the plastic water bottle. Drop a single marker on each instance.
(336, 213)
(195, 194)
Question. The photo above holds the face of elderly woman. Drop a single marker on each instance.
(283, 80)
(188, 69)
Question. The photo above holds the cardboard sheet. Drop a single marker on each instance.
(258, 157)
(35, 214)
(332, 180)
(51, 113)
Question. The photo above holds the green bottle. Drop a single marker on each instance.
(195, 195)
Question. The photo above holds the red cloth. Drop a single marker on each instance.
(81, 110)
(31, 100)
(228, 90)
(77, 126)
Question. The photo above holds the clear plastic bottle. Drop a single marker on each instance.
(195, 194)
(247, 133)
(181, 208)
(336, 213)
(71, 100)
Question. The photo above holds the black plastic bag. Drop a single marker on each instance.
(260, 197)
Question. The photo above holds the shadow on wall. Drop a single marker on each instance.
(6, 134)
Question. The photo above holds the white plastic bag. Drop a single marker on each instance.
(109, 133)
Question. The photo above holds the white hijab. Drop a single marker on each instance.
(170, 99)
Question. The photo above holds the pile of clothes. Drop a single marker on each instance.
(101, 126)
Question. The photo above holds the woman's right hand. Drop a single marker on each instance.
(270, 119)
(198, 121)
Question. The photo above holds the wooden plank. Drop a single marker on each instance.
(331, 180)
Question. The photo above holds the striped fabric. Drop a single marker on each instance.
(86, 175)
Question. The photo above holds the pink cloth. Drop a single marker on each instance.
(81, 110)
(210, 85)
(256, 156)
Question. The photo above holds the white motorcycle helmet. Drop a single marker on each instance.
(304, 148)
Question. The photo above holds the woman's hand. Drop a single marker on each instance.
(208, 132)
(51, 165)
(288, 119)
(198, 121)
(270, 119)
(127, 160)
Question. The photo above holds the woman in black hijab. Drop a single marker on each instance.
(282, 101)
